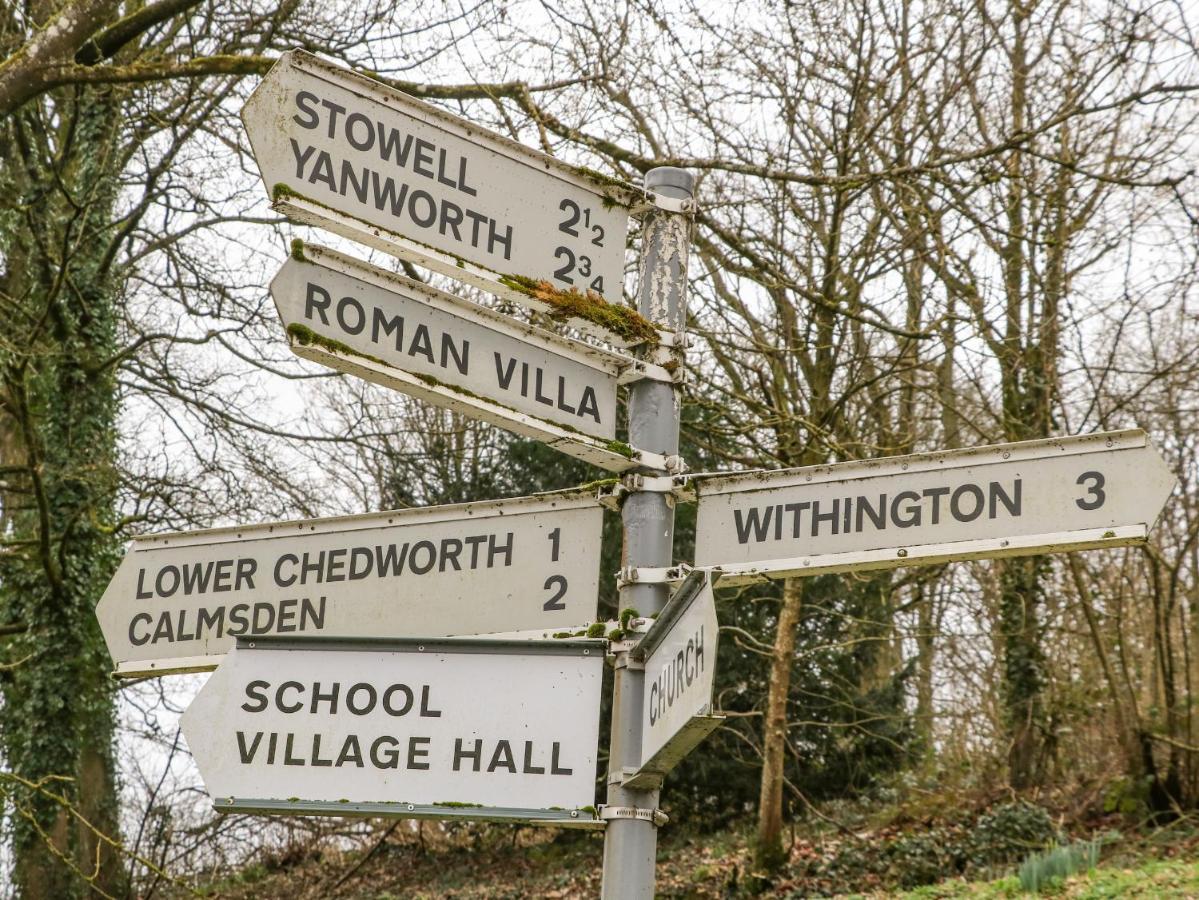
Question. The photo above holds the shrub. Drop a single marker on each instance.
(919, 859)
(1009, 832)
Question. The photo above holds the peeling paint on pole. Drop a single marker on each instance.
(672, 236)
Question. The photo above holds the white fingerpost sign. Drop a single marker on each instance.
(325, 298)
(1074, 493)
(178, 601)
(437, 728)
(679, 654)
(456, 354)
(348, 153)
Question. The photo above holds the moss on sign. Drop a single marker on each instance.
(622, 448)
(622, 321)
(302, 334)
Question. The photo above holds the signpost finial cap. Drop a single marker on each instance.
(671, 181)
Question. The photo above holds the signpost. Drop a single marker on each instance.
(344, 697)
(679, 654)
(349, 153)
(454, 353)
(1097, 490)
(178, 601)
(413, 728)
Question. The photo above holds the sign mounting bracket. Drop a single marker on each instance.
(656, 816)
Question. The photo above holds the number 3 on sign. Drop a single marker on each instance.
(555, 584)
(1093, 482)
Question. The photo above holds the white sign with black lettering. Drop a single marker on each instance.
(178, 601)
(438, 728)
(679, 653)
(1097, 490)
(351, 154)
(330, 302)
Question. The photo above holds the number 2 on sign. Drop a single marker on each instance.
(557, 584)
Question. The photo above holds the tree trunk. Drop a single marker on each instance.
(57, 719)
(925, 658)
(769, 853)
(1023, 667)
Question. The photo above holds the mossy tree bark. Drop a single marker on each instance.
(58, 402)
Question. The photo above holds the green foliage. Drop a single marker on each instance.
(1009, 832)
(1043, 869)
(1128, 796)
(923, 858)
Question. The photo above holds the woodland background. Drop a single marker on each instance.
(924, 224)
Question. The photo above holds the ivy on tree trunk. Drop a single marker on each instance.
(58, 406)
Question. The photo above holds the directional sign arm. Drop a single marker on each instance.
(346, 152)
(177, 602)
(456, 354)
(432, 728)
(679, 655)
(1074, 493)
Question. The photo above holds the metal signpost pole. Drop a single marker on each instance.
(630, 844)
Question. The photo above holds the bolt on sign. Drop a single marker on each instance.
(349, 153)
(453, 353)
(679, 654)
(178, 601)
(410, 728)
(1098, 490)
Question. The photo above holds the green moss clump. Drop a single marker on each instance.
(521, 283)
(596, 630)
(590, 307)
(559, 635)
(454, 804)
(590, 810)
(620, 447)
(616, 634)
(280, 190)
(627, 615)
(297, 250)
